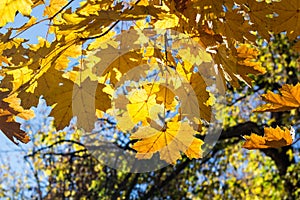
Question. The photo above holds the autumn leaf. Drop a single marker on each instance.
(54, 7)
(192, 52)
(8, 125)
(8, 9)
(289, 99)
(140, 105)
(193, 88)
(169, 142)
(259, 15)
(115, 39)
(141, 11)
(238, 65)
(165, 96)
(113, 60)
(287, 18)
(234, 22)
(12, 51)
(15, 103)
(61, 93)
(273, 138)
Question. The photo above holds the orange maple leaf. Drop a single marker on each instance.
(290, 99)
(273, 138)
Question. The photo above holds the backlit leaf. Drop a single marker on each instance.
(8, 9)
(176, 137)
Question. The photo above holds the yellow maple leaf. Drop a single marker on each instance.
(20, 77)
(289, 99)
(192, 52)
(140, 105)
(258, 12)
(8, 9)
(141, 11)
(124, 122)
(176, 137)
(193, 97)
(14, 103)
(12, 46)
(54, 7)
(273, 138)
(112, 58)
(234, 27)
(103, 42)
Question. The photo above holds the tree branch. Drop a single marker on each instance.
(239, 130)
(52, 145)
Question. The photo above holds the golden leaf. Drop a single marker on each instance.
(273, 138)
(112, 58)
(141, 11)
(166, 96)
(289, 99)
(169, 142)
(8, 9)
(54, 7)
(234, 26)
(193, 90)
(258, 13)
(140, 105)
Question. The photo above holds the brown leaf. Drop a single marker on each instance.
(288, 18)
(8, 125)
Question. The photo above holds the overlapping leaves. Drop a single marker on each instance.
(221, 27)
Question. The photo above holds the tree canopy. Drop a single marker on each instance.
(155, 83)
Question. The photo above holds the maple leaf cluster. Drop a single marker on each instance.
(212, 42)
